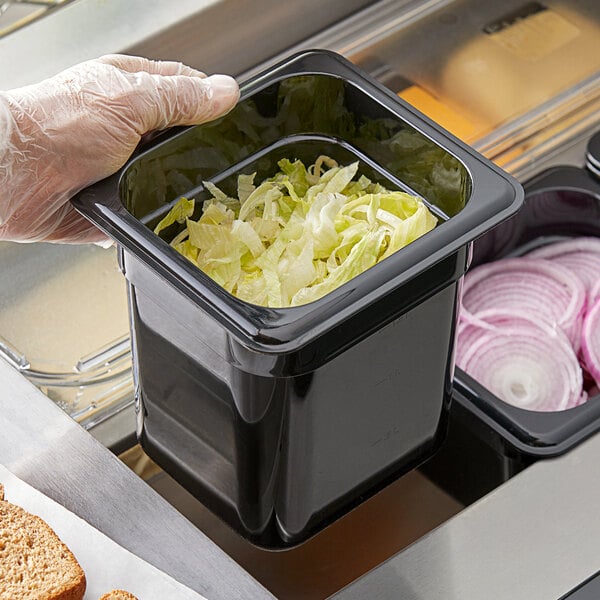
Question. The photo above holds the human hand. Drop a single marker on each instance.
(69, 131)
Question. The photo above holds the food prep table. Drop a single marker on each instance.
(508, 545)
(533, 537)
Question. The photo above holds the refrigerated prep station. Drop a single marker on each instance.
(374, 442)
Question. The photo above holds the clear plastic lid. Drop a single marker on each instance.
(509, 78)
(64, 323)
(15, 14)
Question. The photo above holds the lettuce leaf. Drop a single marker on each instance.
(298, 235)
(183, 209)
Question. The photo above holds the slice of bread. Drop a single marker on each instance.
(34, 562)
(118, 595)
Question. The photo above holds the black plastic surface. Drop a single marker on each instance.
(592, 157)
(588, 590)
(489, 440)
(280, 420)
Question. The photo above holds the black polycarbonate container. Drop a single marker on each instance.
(489, 440)
(280, 420)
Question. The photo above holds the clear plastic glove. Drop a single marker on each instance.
(69, 131)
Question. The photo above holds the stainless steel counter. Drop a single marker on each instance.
(43, 446)
(534, 538)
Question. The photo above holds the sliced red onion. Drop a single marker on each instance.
(580, 255)
(590, 341)
(524, 362)
(529, 287)
(593, 391)
(582, 400)
(470, 328)
(594, 293)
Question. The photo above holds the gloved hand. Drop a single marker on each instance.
(69, 131)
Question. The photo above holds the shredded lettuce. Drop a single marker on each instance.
(183, 209)
(298, 235)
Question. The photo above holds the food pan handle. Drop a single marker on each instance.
(152, 138)
(100, 202)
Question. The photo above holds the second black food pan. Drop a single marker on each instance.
(282, 419)
(490, 441)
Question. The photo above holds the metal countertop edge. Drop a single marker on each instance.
(225, 36)
(41, 445)
(85, 29)
(534, 538)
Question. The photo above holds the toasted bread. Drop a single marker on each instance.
(34, 563)
(118, 595)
